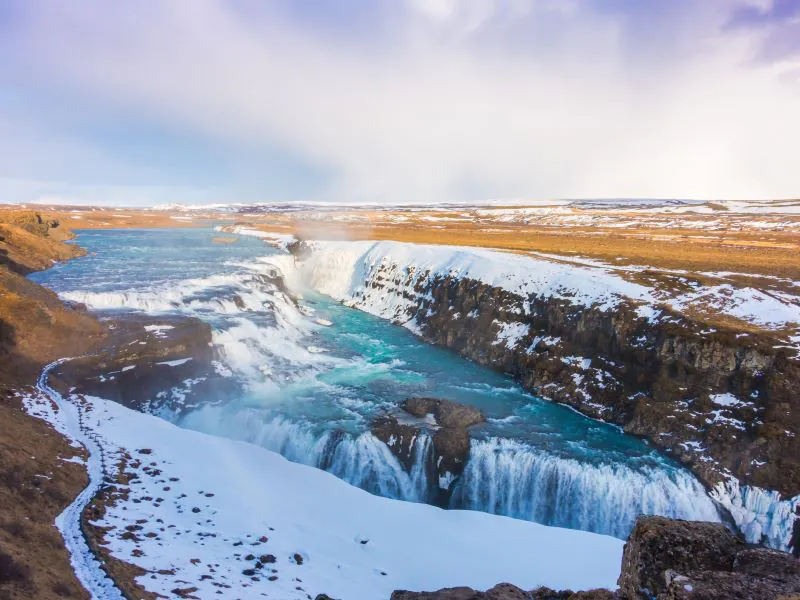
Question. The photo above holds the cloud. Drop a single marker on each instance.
(778, 25)
(425, 100)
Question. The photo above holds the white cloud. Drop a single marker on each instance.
(448, 108)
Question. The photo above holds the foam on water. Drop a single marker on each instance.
(360, 459)
(509, 478)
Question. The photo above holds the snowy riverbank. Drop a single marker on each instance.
(210, 508)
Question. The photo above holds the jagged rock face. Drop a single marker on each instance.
(723, 586)
(659, 549)
(400, 438)
(721, 402)
(447, 413)
(504, 591)
(763, 562)
(548, 594)
(149, 364)
(299, 249)
(671, 559)
(450, 440)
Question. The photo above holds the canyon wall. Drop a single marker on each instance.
(721, 400)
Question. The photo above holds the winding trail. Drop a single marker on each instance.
(86, 566)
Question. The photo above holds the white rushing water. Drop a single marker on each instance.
(502, 476)
(508, 478)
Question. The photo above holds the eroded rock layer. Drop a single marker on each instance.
(721, 399)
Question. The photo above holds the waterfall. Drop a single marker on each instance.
(360, 459)
(762, 515)
(509, 478)
(502, 476)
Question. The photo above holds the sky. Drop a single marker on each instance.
(143, 102)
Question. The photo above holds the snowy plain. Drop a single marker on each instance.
(225, 516)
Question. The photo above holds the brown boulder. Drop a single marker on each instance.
(545, 593)
(399, 437)
(659, 549)
(446, 413)
(148, 362)
(681, 560)
(451, 451)
(450, 440)
(765, 562)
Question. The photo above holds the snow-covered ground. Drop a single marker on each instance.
(225, 516)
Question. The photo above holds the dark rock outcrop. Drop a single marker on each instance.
(671, 559)
(447, 414)
(503, 591)
(399, 437)
(450, 440)
(659, 549)
(148, 364)
(300, 249)
(544, 593)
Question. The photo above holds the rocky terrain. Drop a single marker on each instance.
(669, 559)
(695, 393)
(35, 326)
(718, 398)
(40, 473)
(151, 364)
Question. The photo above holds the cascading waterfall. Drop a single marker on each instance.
(360, 459)
(502, 476)
(763, 516)
(264, 339)
(509, 478)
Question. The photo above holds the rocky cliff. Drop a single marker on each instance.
(721, 399)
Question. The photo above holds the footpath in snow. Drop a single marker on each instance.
(218, 515)
(69, 421)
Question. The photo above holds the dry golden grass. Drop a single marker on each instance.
(776, 254)
(721, 241)
(35, 486)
